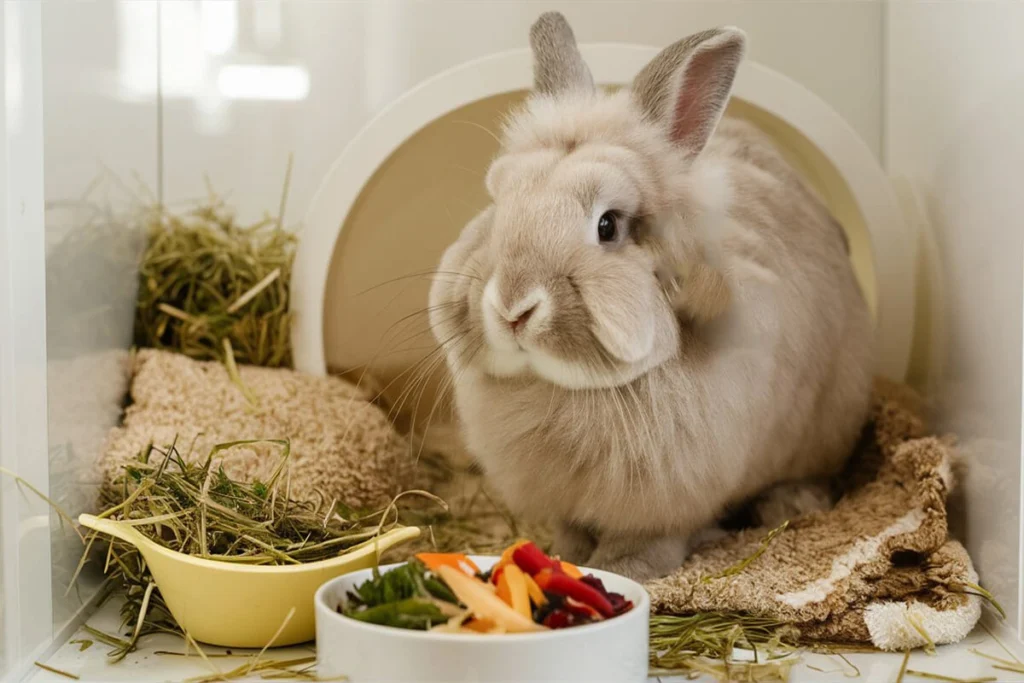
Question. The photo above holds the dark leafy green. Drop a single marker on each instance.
(412, 613)
(411, 580)
(407, 597)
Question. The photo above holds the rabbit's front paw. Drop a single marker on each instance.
(792, 499)
(640, 559)
(573, 543)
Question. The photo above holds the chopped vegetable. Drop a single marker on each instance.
(480, 625)
(506, 557)
(531, 559)
(408, 581)
(562, 619)
(571, 569)
(503, 590)
(534, 591)
(495, 576)
(519, 596)
(408, 613)
(484, 604)
(619, 603)
(457, 560)
(564, 585)
(406, 597)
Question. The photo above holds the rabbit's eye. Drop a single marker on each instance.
(608, 227)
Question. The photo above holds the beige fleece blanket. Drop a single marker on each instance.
(879, 567)
(342, 446)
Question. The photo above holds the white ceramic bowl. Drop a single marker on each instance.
(611, 651)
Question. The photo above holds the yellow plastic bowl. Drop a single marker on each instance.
(233, 605)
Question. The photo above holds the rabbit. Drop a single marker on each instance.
(654, 320)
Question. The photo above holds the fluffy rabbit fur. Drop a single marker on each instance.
(655, 319)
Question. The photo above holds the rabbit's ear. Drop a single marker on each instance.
(558, 66)
(686, 87)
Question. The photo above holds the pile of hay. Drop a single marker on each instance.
(204, 279)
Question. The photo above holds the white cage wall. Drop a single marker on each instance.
(172, 90)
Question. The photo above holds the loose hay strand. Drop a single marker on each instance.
(1015, 669)
(143, 609)
(856, 670)
(217, 676)
(236, 377)
(256, 289)
(1000, 643)
(83, 644)
(270, 669)
(62, 515)
(903, 667)
(59, 672)
(929, 643)
(951, 679)
(987, 596)
(273, 639)
(747, 561)
(1006, 663)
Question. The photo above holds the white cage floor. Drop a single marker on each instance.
(148, 665)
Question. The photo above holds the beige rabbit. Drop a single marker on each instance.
(655, 320)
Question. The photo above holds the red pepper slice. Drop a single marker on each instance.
(551, 581)
(532, 559)
(496, 574)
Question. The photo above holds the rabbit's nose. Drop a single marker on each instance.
(520, 320)
(528, 313)
(534, 308)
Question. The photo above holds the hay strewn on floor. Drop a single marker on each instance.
(878, 568)
(342, 445)
(476, 522)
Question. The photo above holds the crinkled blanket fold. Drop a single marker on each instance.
(879, 567)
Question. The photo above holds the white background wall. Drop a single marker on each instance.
(347, 60)
(955, 105)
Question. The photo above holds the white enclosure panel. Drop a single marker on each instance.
(99, 75)
(955, 106)
(25, 623)
(245, 84)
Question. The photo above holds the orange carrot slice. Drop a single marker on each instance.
(504, 590)
(457, 560)
(479, 625)
(571, 569)
(514, 577)
(484, 604)
(506, 555)
(534, 591)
